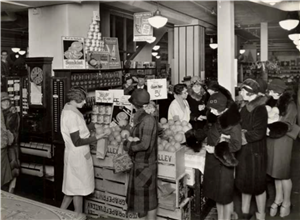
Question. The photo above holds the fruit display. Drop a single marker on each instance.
(173, 135)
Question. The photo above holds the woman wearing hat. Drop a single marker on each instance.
(142, 186)
(223, 140)
(78, 178)
(280, 148)
(250, 178)
(128, 86)
(197, 100)
(12, 122)
(179, 108)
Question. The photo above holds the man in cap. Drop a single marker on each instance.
(141, 82)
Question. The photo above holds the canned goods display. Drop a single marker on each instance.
(94, 118)
(106, 119)
(101, 109)
(100, 119)
(108, 110)
(95, 109)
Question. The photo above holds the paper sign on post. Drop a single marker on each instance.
(103, 96)
(117, 94)
(157, 88)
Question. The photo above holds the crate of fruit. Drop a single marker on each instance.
(109, 198)
(181, 213)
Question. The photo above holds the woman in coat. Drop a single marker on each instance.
(6, 139)
(179, 109)
(250, 177)
(280, 148)
(223, 139)
(12, 122)
(142, 186)
(78, 178)
(197, 100)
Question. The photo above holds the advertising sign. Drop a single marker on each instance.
(104, 96)
(121, 114)
(73, 53)
(157, 88)
(98, 60)
(142, 30)
(112, 47)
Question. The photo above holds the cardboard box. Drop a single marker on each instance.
(181, 213)
(171, 164)
(109, 198)
(93, 208)
(190, 177)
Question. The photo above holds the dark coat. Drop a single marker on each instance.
(145, 87)
(142, 185)
(12, 122)
(280, 149)
(251, 172)
(163, 106)
(218, 180)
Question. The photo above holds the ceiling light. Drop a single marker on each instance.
(212, 44)
(157, 20)
(156, 47)
(295, 34)
(15, 49)
(289, 24)
(271, 2)
(17, 55)
(154, 54)
(152, 40)
(22, 52)
(296, 42)
(298, 47)
(242, 51)
(257, 54)
(157, 57)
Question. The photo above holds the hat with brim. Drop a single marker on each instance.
(186, 79)
(277, 85)
(4, 96)
(139, 97)
(250, 85)
(217, 101)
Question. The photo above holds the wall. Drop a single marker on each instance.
(48, 24)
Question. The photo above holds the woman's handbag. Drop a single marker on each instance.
(122, 161)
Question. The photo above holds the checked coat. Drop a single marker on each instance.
(142, 185)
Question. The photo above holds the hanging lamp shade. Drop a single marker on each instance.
(15, 49)
(154, 54)
(158, 56)
(296, 42)
(289, 24)
(271, 2)
(242, 51)
(22, 52)
(156, 47)
(157, 20)
(151, 41)
(295, 34)
(212, 44)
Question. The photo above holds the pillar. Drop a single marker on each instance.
(263, 41)
(189, 52)
(226, 45)
(48, 24)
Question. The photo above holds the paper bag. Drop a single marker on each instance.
(122, 161)
(101, 149)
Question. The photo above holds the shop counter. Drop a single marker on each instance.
(15, 207)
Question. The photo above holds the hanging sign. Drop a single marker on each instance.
(112, 47)
(73, 54)
(142, 30)
(104, 96)
(157, 88)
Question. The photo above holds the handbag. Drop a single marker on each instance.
(122, 161)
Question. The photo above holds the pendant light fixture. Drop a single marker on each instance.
(271, 2)
(151, 41)
(22, 52)
(154, 54)
(15, 49)
(212, 44)
(295, 35)
(290, 22)
(158, 56)
(157, 20)
(156, 47)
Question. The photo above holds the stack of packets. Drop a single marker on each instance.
(166, 196)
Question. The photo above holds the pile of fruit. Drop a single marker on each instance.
(173, 135)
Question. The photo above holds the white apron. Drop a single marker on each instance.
(175, 109)
(78, 176)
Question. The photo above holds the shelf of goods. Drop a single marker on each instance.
(149, 73)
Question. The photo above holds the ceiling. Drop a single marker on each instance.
(248, 16)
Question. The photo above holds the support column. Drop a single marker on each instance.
(226, 45)
(48, 24)
(189, 52)
(263, 41)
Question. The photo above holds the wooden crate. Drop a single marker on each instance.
(181, 189)
(109, 198)
(106, 162)
(117, 177)
(112, 150)
(171, 164)
(95, 209)
(181, 213)
(115, 187)
(99, 184)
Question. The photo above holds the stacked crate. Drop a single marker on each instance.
(109, 197)
(171, 170)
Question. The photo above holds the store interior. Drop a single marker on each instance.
(224, 41)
